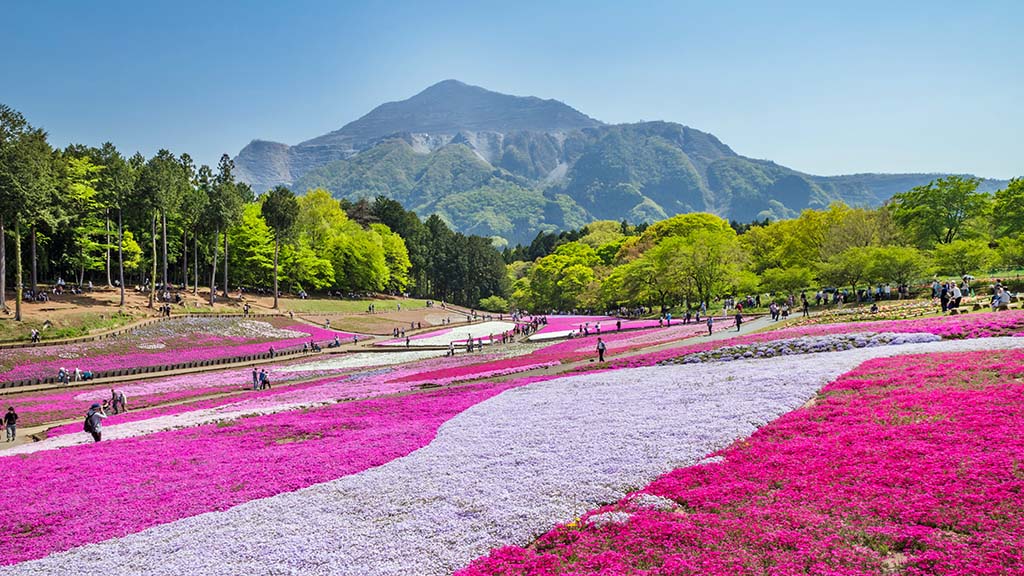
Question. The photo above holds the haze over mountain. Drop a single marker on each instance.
(508, 166)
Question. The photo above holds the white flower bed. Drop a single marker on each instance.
(804, 345)
(362, 360)
(500, 473)
(483, 330)
(224, 327)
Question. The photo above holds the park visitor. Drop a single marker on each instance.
(710, 323)
(739, 320)
(94, 422)
(11, 423)
(601, 347)
(118, 401)
(255, 379)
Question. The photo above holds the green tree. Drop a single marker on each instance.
(396, 256)
(786, 280)
(280, 210)
(899, 265)
(115, 185)
(81, 212)
(252, 243)
(1011, 253)
(27, 181)
(161, 185)
(493, 304)
(940, 211)
(848, 268)
(1008, 209)
(302, 268)
(961, 257)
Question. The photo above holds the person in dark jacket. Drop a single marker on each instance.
(11, 423)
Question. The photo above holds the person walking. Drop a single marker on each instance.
(94, 422)
(255, 379)
(601, 347)
(117, 401)
(710, 322)
(11, 423)
(739, 320)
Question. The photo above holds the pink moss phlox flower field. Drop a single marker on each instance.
(360, 384)
(909, 465)
(187, 348)
(50, 406)
(59, 499)
(482, 370)
(982, 325)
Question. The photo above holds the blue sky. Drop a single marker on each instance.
(823, 87)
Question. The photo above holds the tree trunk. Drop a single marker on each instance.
(225, 264)
(163, 236)
(184, 266)
(152, 279)
(213, 270)
(195, 258)
(276, 244)
(3, 265)
(17, 272)
(107, 220)
(35, 283)
(120, 257)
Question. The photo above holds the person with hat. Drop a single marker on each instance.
(11, 422)
(94, 421)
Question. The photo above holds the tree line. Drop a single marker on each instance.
(95, 214)
(944, 228)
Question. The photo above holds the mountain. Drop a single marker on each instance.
(509, 166)
(446, 112)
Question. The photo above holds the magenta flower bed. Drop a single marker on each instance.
(59, 499)
(622, 342)
(562, 323)
(361, 384)
(908, 465)
(483, 370)
(981, 325)
(199, 348)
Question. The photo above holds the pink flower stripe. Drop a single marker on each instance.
(61, 404)
(56, 500)
(981, 325)
(906, 465)
(477, 371)
(197, 351)
(361, 384)
(563, 323)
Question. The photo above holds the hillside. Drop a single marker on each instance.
(509, 166)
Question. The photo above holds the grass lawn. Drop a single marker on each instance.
(69, 325)
(313, 305)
